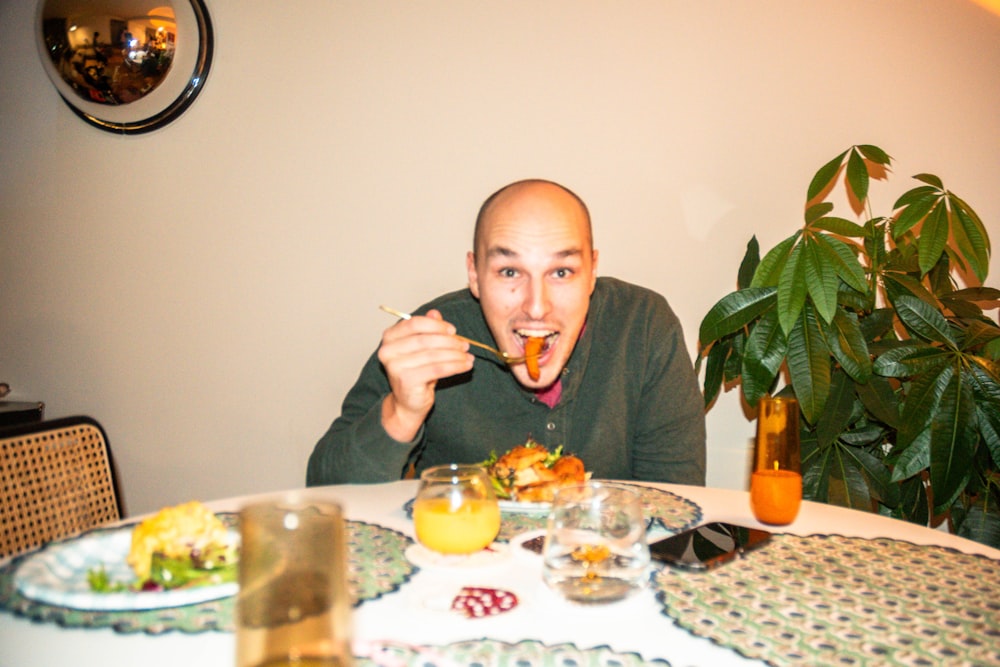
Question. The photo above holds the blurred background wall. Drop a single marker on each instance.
(209, 291)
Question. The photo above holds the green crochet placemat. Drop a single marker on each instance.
(376, 566)
(829, 599)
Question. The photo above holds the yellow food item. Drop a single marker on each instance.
(174, 532)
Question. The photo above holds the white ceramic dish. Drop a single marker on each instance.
(57, 575)
(524, 508)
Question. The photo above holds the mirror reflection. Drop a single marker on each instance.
(111, 52)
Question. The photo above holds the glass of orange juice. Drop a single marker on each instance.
(455, 511)
(776, 481)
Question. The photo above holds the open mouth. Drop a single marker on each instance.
(548, 335)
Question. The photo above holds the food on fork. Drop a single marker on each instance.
(532, 349)
(531, 473)
(178, 547)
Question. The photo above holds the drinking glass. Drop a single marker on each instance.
(776, 481)
(456, 511)
(294, 605)
(595, 545)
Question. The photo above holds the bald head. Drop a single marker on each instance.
(530, 192)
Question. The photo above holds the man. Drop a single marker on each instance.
(616, 386)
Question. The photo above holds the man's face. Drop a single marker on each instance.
(533, 271)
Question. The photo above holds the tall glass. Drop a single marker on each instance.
(294, 605)
(776, 481)
(456, 511)
(595, 546)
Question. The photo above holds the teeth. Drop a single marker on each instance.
(534, 333)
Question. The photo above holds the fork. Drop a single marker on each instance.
(503, 356)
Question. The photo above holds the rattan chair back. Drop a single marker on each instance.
(56, 479)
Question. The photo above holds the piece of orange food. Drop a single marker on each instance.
(532, 349)
(531, 473)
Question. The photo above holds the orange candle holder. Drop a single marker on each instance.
(776, 480)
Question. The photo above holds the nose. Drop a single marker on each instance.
(536, 301)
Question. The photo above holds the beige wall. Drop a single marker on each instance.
(209, 290)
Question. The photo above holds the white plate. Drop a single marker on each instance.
(524, 508)
(57, 575)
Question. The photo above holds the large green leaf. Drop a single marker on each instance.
(809, 365)
(751, 260)
(921, 402)
(836, 416)
(864, 434)
(792, 289)
(979, 333)
(924, 320)
(765, 351)
(879, 398)
(715, 362)
(734, 311)
(953, 443)
(821, 279)
(972, 241)
(734, 362)
(840, 226)
(874, 154)
(876, 472)
(988, 418)
(915, 458)
(817, 211)
(857, 177)
(815, 471)
(981, 524)
(848, 346)
(930, 179)
(877, 323)
(933, 237)
(848, 486)
(913, 505)
(898, 284)
(917, 203)
(769, 270)
(959, 204)
(907, 360)
(839, 255)
(821, 181)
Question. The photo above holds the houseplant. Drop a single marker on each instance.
(892, 359)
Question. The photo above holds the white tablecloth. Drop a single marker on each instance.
(634, 625)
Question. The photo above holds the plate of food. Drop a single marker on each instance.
(526, 477)
(181, 555)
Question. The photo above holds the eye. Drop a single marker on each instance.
(563, 273)
(508, 273)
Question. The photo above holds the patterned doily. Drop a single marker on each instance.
(376, 566)
(663, 509)
(829, 599)
(527, 653)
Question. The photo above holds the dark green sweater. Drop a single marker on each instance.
(630, 406)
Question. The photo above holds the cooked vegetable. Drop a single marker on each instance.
(532, 349)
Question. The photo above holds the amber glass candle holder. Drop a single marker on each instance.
(776, 481)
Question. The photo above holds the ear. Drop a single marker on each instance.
(470, 267)
(593, 271)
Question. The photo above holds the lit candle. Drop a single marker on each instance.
(776, 482)
(775, 495)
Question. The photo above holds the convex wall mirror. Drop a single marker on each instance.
(126, 66)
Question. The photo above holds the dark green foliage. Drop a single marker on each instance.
(894, 365)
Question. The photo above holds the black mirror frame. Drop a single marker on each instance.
(148, 114)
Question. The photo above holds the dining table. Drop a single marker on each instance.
(835, 586)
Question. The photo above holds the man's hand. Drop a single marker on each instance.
(416, 353)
